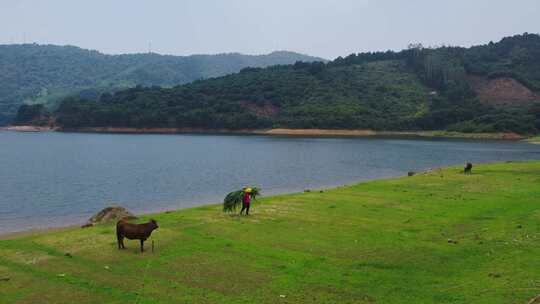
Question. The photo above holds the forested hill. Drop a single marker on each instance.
(34, 73)
(487, 88)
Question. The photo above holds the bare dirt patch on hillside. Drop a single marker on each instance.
(502, 91)
(267, 110)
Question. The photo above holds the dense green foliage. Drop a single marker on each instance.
(415, 89)
(33, 73)
(517, 57)
(440, 237)
(37, 113)
(356, 96)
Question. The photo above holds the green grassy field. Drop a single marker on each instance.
(535, 139)
(438, 237)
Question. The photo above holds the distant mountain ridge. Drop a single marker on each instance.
(32, 73)
(488, 88)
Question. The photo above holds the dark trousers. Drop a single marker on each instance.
(245, 207)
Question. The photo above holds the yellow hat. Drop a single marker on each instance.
(247, 190)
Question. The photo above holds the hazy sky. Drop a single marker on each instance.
(318, 27)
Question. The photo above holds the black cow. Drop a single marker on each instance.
(467, 169)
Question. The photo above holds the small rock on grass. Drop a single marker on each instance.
(534, 300)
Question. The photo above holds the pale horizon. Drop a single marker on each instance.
(317, 28)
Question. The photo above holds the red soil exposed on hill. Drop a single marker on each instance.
(268, 110)
(502, 91)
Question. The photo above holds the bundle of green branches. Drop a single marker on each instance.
(234, 199)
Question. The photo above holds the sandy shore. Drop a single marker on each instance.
(299, 132)
(156, 130)
(316, 132)
(27, 129)
(277, 131)
(291, 132)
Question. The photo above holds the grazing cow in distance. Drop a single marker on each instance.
(134, 232)
(467, 169)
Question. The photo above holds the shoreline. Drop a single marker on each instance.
(534, 140)
(364, 236)
(39, 231)
(274, 132)
(45, 230)
(35, 232)
(28, 129)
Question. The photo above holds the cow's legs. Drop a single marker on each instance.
(142, 245)
(120, 239)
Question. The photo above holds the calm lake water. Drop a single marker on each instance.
(58, 179)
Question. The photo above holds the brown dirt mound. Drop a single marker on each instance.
(108, 214)
(512, 136)
(502, 91)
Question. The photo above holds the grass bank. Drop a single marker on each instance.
(276, 131)
(535, 139)
(438, 237)
(365, 133)
(450, 134)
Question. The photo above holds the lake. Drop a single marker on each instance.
(58, 179)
